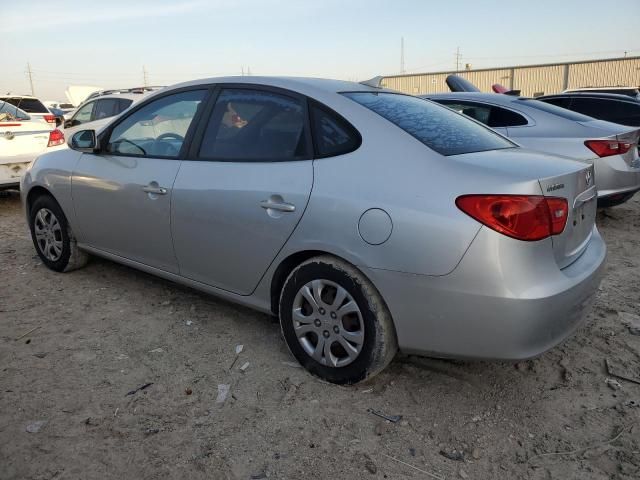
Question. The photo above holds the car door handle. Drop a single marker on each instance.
(280, 206)
(155, 190)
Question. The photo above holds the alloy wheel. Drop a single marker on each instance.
(48, 234)
(328, 323)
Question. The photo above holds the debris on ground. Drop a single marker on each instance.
(188, 391)
(463, 474)
(188, 322)
(612, 384)
(456, 455)
(292, 364)
(239, 349)
(244, 367)
(27, 333)
(618, 371)
(157, 350)
(40, 354)
(35, 427)
(223, 391)
(631, 321)
(391, 418)
(140, 388)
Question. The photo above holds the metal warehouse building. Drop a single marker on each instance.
(531, 80)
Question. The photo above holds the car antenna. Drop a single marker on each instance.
(375, 82)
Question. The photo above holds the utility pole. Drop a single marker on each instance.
(458, 56)
(30, 78)
(145, 76)
(402, 55)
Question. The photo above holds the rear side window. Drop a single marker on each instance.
(255, 125)
(332, 134)
(29, 105)
(123, 104)
(439, 128)
(616, 111)
(105, 108)
(491, 115)
(562, 102)
(561, 112)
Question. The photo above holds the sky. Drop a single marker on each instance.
(111, 44)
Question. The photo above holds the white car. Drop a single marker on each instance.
(32, 106)
(22, 139)
(100, 107)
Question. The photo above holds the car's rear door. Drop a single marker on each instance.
(122, 196)
(245, 187)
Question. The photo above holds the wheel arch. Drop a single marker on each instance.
(35, 192)
(290, 262)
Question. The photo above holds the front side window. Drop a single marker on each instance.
(439, 128)
(255, 125)
(332, 134)
(83, 115)
(159, 128)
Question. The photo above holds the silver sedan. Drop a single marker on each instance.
(612, 149)
(368, 221)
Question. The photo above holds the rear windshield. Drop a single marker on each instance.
(10, 113)
(29, 105)
(554, 110)
(439, 128)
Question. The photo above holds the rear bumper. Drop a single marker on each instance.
(12, 170)
(501, 302)
(614, 176)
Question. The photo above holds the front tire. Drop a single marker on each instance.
(335, 322)
(52, 236)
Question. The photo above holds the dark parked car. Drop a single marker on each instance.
(621, 109)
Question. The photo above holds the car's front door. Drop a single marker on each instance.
(238, 200)
(122, 195)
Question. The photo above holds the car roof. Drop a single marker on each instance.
(305, 85)
(130, 96)
(606, 96)
(10, 95)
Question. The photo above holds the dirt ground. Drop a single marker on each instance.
(106, 330)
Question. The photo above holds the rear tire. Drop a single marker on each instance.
(335, 322)
(53, 238)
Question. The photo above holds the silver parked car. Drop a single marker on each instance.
(368, 221)
(612, 149)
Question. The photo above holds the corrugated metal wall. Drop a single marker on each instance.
(536, 79)
(614, 72)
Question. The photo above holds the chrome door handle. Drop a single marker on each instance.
(156, 190)
(280, 206)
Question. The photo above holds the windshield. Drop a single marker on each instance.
(555, 110)
(11, 113)
(439, 128)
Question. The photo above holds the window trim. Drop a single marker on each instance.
(103, 138)
(331, 112)
(530, 121)
(194, 150)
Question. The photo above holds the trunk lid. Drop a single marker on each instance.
(578, 188)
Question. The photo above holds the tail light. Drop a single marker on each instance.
(56, 137)
(523, 217)
(606, 148)
(49, 118)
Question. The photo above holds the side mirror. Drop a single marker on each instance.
(85, 141)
